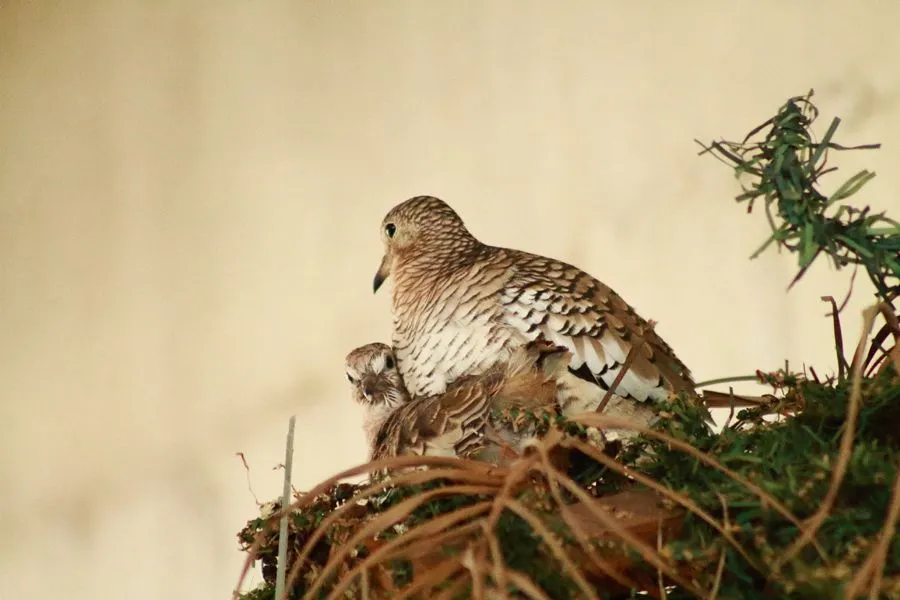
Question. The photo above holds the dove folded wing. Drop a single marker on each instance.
(566, 306)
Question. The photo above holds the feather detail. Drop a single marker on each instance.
(458, 422)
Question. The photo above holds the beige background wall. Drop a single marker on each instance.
(190, 195)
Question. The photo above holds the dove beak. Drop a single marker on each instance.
(383, 271)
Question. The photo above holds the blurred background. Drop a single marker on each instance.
(190, 199)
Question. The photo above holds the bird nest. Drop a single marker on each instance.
(798, 496)
(803, 505)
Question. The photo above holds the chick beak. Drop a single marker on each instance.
(368, 389)
(383, 271)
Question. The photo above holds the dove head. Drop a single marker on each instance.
(372, 371)
(421, 228)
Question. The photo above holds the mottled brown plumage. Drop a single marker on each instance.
(461, 306)
(377, 385)
(477, 416)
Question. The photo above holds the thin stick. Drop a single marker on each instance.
(730, 409)
(526, 585)
(718, 380)
(879, 554)
(632, 354)
(247, 471)
(876, 559)
(720, 569)
(659, 574)
(493, 546)
(838, 337)
(285, 501)
(364, 584)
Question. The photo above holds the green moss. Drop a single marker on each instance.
(523, 550)
(264, 592)
(793, 461)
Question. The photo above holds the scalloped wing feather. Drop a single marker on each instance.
(572, 309)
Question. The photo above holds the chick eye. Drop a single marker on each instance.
(350, 378)
(389, 362)
(390, 229)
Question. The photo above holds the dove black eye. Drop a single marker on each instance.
(389, 362)
(350, 378)
(390, 229)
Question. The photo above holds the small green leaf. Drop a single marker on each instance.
(851, 186)
(809, 248)
(860, 249)
(765, 245)
(894, 265)
(885, 231)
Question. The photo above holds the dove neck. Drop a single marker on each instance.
(435, 262)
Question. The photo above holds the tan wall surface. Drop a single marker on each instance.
(190, 195)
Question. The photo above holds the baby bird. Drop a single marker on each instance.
(489, 416)
(377, 386)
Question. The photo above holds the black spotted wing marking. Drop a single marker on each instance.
(568, 307)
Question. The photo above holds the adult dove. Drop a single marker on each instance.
(461, 306)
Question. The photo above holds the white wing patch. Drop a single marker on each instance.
(603, 354)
